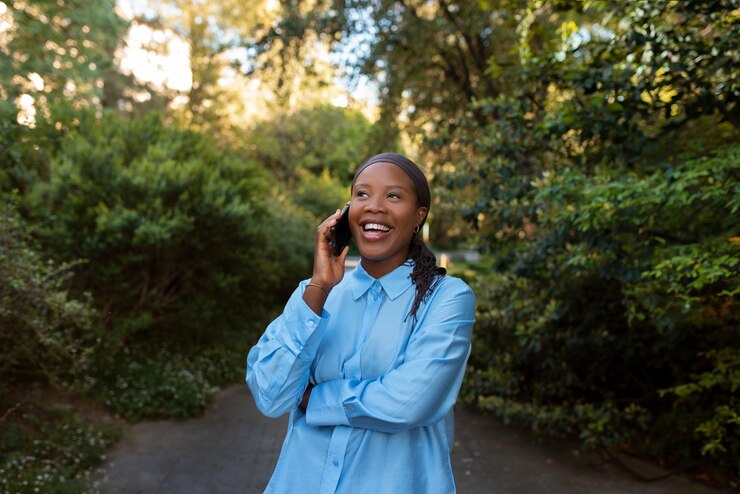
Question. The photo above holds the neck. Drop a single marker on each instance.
(379, 268)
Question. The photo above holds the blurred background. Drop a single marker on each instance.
(163, 165)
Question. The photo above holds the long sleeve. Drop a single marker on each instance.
(422, 389)
(278, 366)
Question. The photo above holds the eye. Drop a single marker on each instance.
(361, 193)
(393, 195)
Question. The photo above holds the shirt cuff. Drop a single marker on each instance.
(304, 324)
(325, 406)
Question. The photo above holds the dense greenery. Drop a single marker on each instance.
(58, 51)
(43, 332)
(311, 140)
(137, 259)
(615, 322)
(159, 247)
(158, 200)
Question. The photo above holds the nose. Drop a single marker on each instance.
(375, 205)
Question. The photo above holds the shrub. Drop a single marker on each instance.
(313, 140)
(174, 232)
(48, 448)
(168, 379)
(44, 333)
(617, 318)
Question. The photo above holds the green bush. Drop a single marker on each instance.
(173, 231)
(51, 449)
(161, 379)
(44, 333)
(617, 318)
(313, 140)
(320, 194)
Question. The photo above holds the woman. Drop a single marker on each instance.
(369, 364)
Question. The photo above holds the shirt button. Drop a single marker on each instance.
(310, 323)
(335, 463)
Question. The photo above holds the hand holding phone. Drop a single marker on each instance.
(341, 232)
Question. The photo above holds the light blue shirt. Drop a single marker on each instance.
(379, 420)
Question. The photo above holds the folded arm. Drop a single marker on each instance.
(422, 389)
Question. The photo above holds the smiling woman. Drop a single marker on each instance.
(369, 389)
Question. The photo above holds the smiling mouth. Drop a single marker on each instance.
(375, 227)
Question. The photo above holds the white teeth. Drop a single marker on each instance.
(376, 226)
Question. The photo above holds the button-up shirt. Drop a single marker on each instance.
(379, 419)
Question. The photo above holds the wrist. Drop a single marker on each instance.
(324, 285)
(318, 287)
(306, 397)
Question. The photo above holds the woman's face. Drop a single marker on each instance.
(382, 216)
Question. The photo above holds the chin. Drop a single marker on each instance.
(379, 255)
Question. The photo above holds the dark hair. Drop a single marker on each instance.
(426, 274)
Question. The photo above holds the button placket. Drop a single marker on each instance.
(374, 300)
(333, 466)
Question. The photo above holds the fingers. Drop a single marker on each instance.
(342, 256)
(329, 222)
(324, 230)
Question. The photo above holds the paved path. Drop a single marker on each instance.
(233, 449)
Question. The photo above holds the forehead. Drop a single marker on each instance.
(383, 174)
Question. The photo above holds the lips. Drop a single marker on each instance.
(376, 227)
(372, 230)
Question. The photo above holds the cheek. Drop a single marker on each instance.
(353, 219)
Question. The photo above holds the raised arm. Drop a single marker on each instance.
(279, 365)
(421, 390)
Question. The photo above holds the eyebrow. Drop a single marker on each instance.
(388, 187)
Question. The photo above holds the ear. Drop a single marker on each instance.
(421, 214)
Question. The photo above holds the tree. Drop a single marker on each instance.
(313, 140)
(602, 187)
(173, 231)
(430, 58)
(230, 83)
(52, 52)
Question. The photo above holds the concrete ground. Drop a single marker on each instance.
(232, 449)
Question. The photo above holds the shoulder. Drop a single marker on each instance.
(453, 292)
(451, 302)
(450, 285)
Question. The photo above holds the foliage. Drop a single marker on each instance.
(313, 140)
(44, 333)
(48, 448)
(189, 226)
(319, 195)
(314, 152)
(715, 392)
(211, 31)
(626, 294)
(156, 379)
(57, 51)
(429, 58)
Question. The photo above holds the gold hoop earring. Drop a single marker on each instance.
(416, 229)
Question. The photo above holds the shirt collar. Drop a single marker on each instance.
(394, 283)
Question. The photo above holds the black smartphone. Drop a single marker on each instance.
(342, 233)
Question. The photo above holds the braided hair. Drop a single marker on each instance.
(425, 274)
